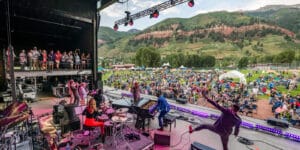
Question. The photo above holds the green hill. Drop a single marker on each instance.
(108, 35)
(225, 35)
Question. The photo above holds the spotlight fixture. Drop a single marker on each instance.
(191, 3)
(125, 24)
(130, 22)
(172, 2)
(155, 14)
(116, 27)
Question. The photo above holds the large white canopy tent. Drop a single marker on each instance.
(234, 74)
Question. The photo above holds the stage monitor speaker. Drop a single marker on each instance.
(181, 100)
(278, 122)
(162, 138)
(199, 146)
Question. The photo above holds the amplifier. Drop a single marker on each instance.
(162, 138)
(199, 146)
(278, 122)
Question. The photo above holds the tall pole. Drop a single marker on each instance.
(11, 55)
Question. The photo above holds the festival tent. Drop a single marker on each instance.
(234, 74)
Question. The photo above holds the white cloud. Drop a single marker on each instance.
(171, 11)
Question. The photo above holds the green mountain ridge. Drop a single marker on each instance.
(254, 42)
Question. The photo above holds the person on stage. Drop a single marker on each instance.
(163, 107)
(223, 125)
(91, 113)
(135, 90)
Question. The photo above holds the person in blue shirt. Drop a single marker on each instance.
(163, 107)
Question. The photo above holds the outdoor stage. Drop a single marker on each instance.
(204, 137)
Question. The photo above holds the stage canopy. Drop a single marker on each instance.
(234, 74)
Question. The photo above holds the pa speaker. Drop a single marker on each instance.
(199, 146)
(162, 138)
(278, 122)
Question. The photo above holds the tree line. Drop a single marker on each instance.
(150, 57)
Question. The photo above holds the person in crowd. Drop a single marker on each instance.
(224, 124)
(91, 114)
(51, 59)
(77, 61)
(64, 60)
(163, 107)
(40, 60)
(44, 62)
(30, 59)
(58, 56)
(83, 61)
(88, 60)
(23, 59)
(71, 59)
(135, 90)
(35, 58)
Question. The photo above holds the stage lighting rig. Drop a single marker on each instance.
(152, 11)
(191, 3)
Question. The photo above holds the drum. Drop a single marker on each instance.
(108, 128)
(110, 112)
(103, 118)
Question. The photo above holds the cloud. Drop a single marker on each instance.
(111, 11)
(171, 11)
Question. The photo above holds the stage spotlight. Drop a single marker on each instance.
(130, 22)
(116, 27)
(172, 2)
(191, 3)
(155, 14)
(125, 24)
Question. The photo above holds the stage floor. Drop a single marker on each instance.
(204, 137)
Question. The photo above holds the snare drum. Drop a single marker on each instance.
(108, 128)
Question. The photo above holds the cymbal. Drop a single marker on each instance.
(118, 119)
(122, 110)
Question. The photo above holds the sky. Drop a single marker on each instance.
(116, 11)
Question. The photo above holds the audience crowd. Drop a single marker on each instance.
(187, 84)
(38, 59)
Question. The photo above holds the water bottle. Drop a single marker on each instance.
(68, 146)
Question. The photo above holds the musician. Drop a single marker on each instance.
(135, 90)
(223, 125)
(83, 93)
(163, 107)
(91, 114)
(73, 91)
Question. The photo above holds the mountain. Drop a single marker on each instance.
(276, 7)
(107, 34)
(281, 15)
(266, 31)
(133, 31)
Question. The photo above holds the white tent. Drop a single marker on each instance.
(182, 67)
(234, 74)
